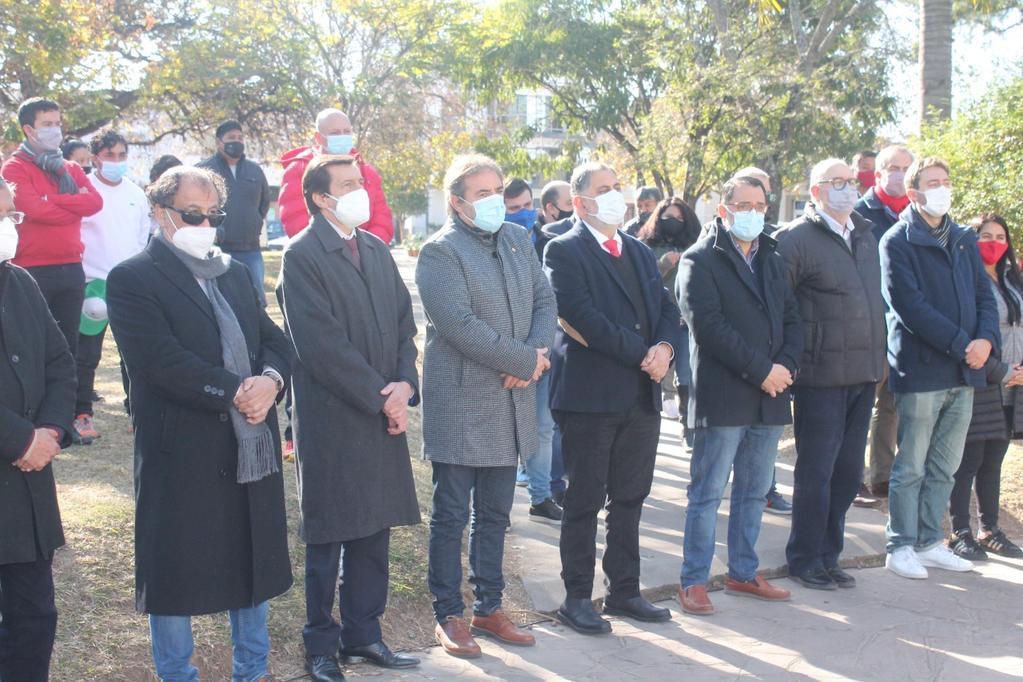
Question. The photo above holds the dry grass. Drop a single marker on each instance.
(101, 637)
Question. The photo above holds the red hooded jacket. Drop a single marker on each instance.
(291, 202)
(51, 233)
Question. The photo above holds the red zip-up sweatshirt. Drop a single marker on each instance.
(51, 233)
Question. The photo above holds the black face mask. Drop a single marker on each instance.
(234, 149)
(564, 214)
(672, 227)
(87, 169)
(643, 217)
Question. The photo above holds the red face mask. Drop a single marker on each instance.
(992, 251)
(865, 178)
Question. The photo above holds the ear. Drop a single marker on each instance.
(815, 192)
(319, 140)
(722, 211)
(915, 196)
(579, 205)
(321, 200)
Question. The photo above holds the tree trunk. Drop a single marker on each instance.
(935, 60)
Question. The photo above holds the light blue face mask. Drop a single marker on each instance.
(747, 225)
(114, 171)
(489, 213)
(340, 144)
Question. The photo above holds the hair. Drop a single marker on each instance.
(649, 193)
(1006, 267)
(884, 157)
(226, 127)
(325, 114)
(316, 179)
(163, 191)
(728, 191)
(549, 193)
(107, 139)
(865, 154)
(162, 165)
(582, 175)
(751, 172)
(652, 233)
(28, 110)
(70, 145)
(822, 167)
(465, 166)
(515, 187)
(919, 166)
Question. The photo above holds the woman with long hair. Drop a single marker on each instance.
(997, 408)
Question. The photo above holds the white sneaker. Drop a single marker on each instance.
(669, 408)
(903, 562)
(940, 556)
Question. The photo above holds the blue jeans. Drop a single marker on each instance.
(752, 450)
(173, 645)
(253, 260)
(489, 492)
(538, 467)
(932, 434)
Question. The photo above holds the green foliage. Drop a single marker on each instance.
(984, 147)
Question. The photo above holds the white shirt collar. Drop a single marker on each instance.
(599, 236)
(340, 233)
(844, 232)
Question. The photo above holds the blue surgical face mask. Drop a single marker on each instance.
(747, 225)
(340, 144)
(489, 213)
(114, 171)
(526, 217)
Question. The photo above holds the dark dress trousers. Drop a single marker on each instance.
(203, 542)
(606, 407)
(351, 322)
(37, 387)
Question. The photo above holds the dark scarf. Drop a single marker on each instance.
(52, 162)
(256, 455)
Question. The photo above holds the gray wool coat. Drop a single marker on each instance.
(488, 307)
(353, 333)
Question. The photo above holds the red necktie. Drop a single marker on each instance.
(612, 247)
(353, 247)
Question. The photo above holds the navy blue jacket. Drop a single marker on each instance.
(938, 301)
(871, 208)
(740, 324)
(602, 375)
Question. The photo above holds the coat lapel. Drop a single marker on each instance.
(174, 270)
(598, 252)
(650, 302)
(723, 244)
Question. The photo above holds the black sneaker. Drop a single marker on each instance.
(966, 546)
(559, 498)
(547, 510)
(997, 543)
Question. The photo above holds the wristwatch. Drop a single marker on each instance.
(276, 376)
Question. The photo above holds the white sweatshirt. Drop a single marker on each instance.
(119, 231)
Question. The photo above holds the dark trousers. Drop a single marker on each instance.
(63, 287)
(609, 458)
(362, 596)
(28, 621)
(830, 425)
(488, 492)
(981, 469)
(90, 351)
(558, 483)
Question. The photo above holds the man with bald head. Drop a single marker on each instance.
(832, 262)
(334, 135)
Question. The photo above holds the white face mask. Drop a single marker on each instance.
(611, 208)
(352, 209)
(939, 201)
(8, 240)
(195, 241)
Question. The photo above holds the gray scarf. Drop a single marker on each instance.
(52, 161)
(257, 457)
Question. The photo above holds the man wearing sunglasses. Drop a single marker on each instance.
(248, 201)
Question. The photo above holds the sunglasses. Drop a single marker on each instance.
(193, 218)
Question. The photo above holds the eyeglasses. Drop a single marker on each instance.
(747, 206)
(836, 183)
(16, 217)
(193, 218)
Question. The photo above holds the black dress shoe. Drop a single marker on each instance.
(841, 578)
(580, 615)
(378, 654)
(815, 580)
(636, 607)
(323, 669)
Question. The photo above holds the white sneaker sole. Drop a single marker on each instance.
(906, 574)
(934, 564)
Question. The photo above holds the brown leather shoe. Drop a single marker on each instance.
(500, 626)
(879, 489)
(758, 588)
(864, 498)
(453, 635)
(695, 601)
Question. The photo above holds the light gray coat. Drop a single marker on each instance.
(488, 307)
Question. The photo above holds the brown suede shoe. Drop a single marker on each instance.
(500, 626)
(453, 635)
(758, 588)
(695, 601)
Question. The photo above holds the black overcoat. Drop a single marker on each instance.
(353, 333)
(203, 542)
